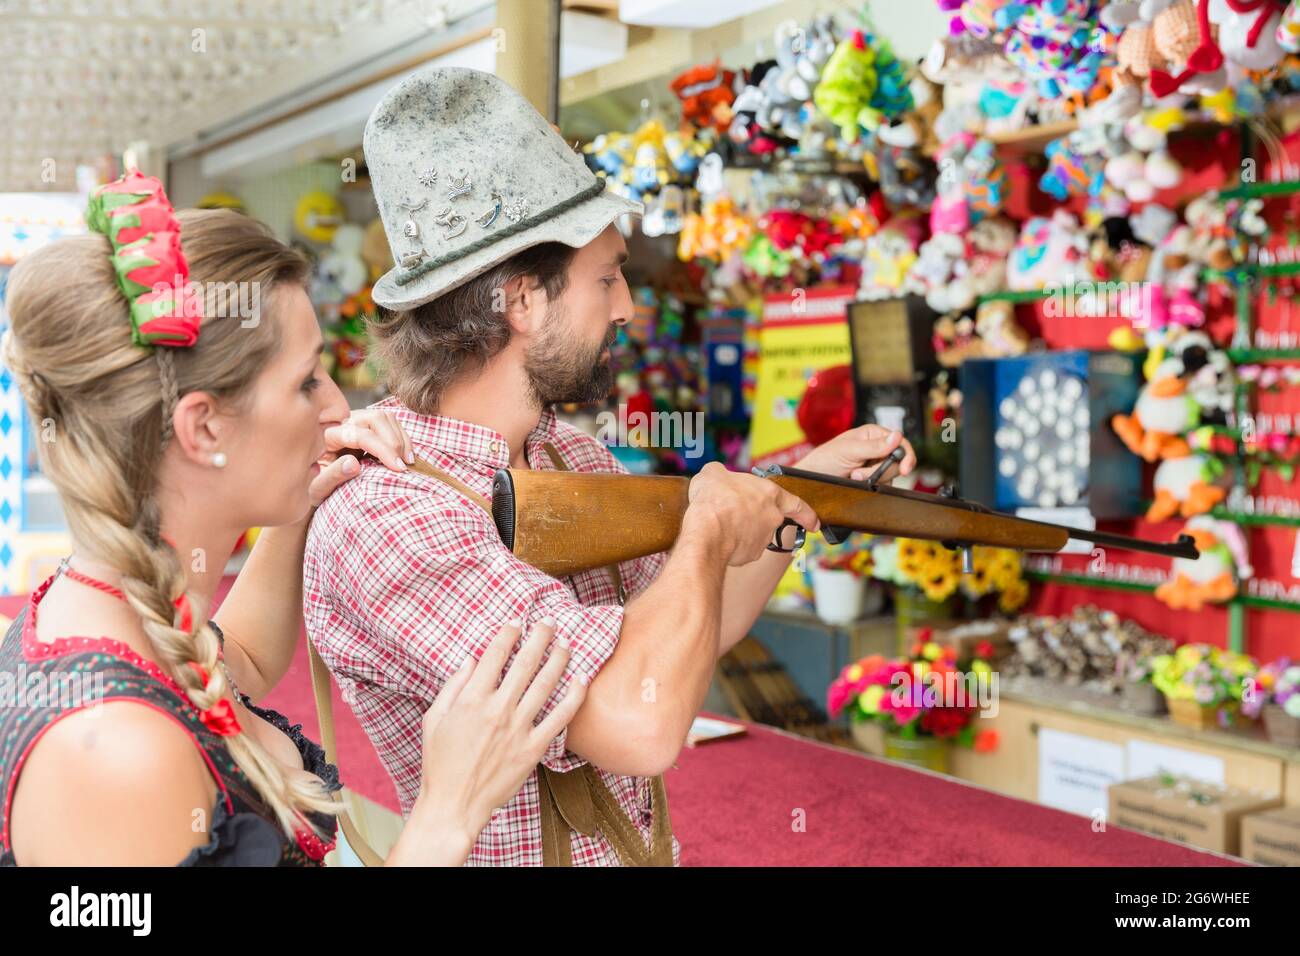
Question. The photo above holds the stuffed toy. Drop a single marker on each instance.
(707, 92)
(939, 273)
(997, 327)
(1211, 234)
(341, 271)
(954, 340)
(889, 257)
(907, 176)
(1164, 414)
(1048, 251)
(972, 184)
(988, 246)
(1071, 172)
(1057, 44)
(1216, 575)
(1188, 487)
(751, 102)
(1247, 31)
(716, 233)
(1242, 34)
(848, 84)
(1288, 28)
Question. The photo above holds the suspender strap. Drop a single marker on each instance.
(320, 688)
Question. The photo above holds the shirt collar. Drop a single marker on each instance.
(462, 439)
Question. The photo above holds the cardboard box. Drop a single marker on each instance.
(1272, 837)
(1190, 811)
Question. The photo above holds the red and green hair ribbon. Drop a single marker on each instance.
(137, 218)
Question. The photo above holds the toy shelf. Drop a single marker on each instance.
(1261, 190)
(1247, 356)
(1255, 520)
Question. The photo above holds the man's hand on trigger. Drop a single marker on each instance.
(744, 510)
(857, 452)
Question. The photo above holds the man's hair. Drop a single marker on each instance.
(424, 350)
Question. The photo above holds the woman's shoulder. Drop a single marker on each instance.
(114, 783)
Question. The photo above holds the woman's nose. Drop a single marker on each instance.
(335, 408)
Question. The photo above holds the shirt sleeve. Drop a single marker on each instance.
(430, 577)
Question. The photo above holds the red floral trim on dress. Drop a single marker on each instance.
(35, 650)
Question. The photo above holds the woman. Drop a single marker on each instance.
(166, 438)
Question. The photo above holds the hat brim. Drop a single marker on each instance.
(574, 227)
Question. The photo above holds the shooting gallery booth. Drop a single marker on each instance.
(995, 228)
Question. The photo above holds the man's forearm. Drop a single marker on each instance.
(643, 700)
(745, 593)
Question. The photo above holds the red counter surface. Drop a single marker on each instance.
(774, 799)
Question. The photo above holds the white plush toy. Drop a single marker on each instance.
(1213, 577)
(1187, 486)
(1237, 29)
(1163, 415)
(341, 269)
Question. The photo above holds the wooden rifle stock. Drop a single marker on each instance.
(564, 522)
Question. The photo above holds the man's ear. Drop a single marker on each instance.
(525, 304)
(196, 427)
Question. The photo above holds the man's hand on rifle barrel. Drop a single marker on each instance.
(857, 452)
(742, 511)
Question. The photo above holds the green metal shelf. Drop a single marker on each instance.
(1260, 190)
(1253, 520)
(1243, 356)
(1025, 295)
(1087, 581)
(1273, 270)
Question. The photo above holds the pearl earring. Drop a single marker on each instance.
(219, 459)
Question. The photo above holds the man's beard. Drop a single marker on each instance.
(561, 369)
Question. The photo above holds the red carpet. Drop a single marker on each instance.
(738, 802)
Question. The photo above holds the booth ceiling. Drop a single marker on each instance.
(86, 78)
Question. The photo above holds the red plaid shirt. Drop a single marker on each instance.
(404, 576)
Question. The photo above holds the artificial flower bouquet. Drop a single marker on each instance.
(936, 571)
(1276, 697)
(1135, 673)
(1203, 684)
(926, 695)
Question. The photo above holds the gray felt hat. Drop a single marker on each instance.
(467, 174)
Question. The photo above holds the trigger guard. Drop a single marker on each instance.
(800, 534)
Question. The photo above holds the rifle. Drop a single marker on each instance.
(564, 522)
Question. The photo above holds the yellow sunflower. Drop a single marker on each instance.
(1014, 595)
(939, 582)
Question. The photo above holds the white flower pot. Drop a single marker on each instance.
(838, 595)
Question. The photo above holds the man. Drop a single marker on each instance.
(505, 301)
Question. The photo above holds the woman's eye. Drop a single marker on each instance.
(609, 281)
(311, 384)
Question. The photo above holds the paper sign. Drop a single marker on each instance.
(1074, 771)
(1147, 759)
(801, 334)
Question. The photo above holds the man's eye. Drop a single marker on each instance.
(609, 281)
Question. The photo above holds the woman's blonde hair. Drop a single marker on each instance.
(110, 402)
